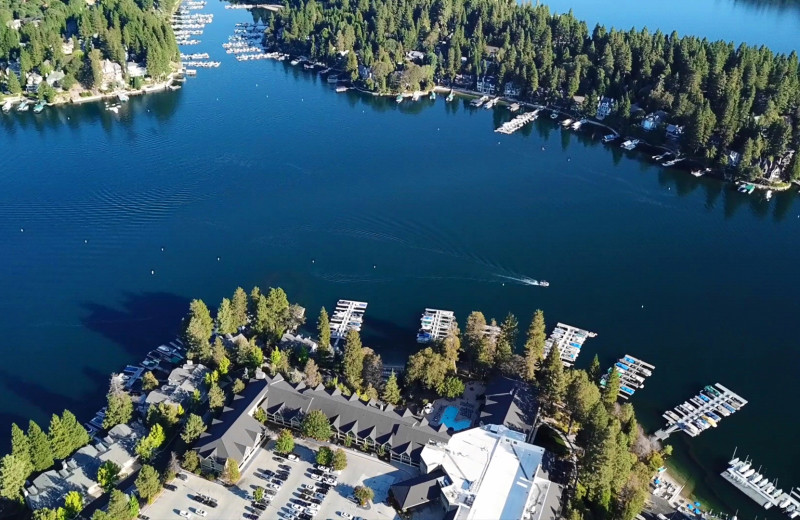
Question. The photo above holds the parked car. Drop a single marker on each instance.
(292, 457)
(259, 505)
(201, 512)
(329, 480)
(268, 472)
(183, 476)
(185, 514)
(143, 517)
(316, 476)
(296, 507)
(345, 514)
(285, 467)
(171, 487)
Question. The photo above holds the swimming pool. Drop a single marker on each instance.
(449, 419)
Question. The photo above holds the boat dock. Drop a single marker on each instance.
(509, 127)
(435, 325)
(569, 341)
(480, 101)
(703, 411)
(349, 315)
(742, 475)
(632, 373)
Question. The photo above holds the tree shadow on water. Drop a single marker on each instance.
(142, 322)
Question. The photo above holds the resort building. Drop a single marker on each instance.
(481, 473)
(485, 85)
(372, 424)
(78, 473)
(653, 120)
(510, 403)
(235, 434)
(291, 341)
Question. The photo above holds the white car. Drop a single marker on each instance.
(311, 512)
(316, 477)
(313, 506)
(296, 507)
(292, 457)
(345, 514)
(201, 512)
(185, 514)
(307, 486)
(274, 486)
(330, 481)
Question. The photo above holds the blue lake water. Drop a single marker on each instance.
(259, 173)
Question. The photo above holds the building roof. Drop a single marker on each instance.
(510, 403)
(235, 430)
(395, 428)
(79, 471)
(491, 472)
(417, 491)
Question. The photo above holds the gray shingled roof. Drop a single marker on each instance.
(417, 491)
(383, 424)
(235, 430)
(510, 403)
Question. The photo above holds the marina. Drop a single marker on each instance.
(568, 340)
(479, 101)
(632, 373)
(518, 122)
(435, 324)
(742, 474)
(629, 144)
(703, 411)
(348, 315)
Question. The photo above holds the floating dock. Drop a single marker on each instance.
(632, 373)
(741, 474)
(435, 325)
(349, 315)
(701, 412)
(509, 127)
(569, 341)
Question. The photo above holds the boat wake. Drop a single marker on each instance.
(524, 280)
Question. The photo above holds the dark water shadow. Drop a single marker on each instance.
(142, 322)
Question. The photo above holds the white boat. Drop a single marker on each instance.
(7, 106)
(630, 144)
(24, 106)
(768, 195)
(123, 97)
(748, 473)
(785, 503)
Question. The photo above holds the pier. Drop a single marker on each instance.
(742, 475)
(569, 341)
(435, 325)
(703, 411)
(270, 7)
(632, 373)
(349, 315)
(518, 122)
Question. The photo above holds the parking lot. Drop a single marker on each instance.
(236, 502)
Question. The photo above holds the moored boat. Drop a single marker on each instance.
(7, 106)
(38, 107)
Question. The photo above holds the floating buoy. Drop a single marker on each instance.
(374, 266)
(152, 271)
(21, 230)
(217, 259)
(312, 260)
(162, 248)
(85, 241)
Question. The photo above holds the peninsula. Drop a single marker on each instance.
(206, 412)
(732, 108)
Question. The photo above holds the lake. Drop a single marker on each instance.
(258, 173)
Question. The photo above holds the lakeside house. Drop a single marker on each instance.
(653, 120)
(55, 78)
(291, 341)
(179, 388)
(78, 473)
(674, 132)
(604, 107)
(512, 90)
(112, 74)
(135, 70)
(415, 56)
(486, 85)
(485, 472)
(32, 82)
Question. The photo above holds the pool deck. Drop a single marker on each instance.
(468, 405)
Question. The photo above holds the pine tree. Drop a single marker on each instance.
(391, 392)
(239, 307)
(13, 472)
(534, 345)
(509, 330)
(149, 381)
(611, 390)
(475, 343)
(119, 408)
(552, 381)
(12, 83)
(107, 475)
(41, 454)
(225, 321)
(451, 348)
(353, 360)
(148, 483)
(324, 331)
(73, 504)
(232, 474)
(311, 374)
(285, 442)
(197, 325)
(21, 447)
(193, 428)
(594, 370)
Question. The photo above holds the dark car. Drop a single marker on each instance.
(143, 517)
(183, 476)
(285, 467)
(259, 505)
(171, 487)
(267, 472)
(315, 501)
(198, 498)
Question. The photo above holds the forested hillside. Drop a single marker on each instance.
(76, 36)
(730, 98)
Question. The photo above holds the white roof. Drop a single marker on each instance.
(492, 473)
